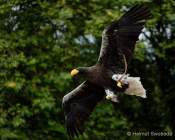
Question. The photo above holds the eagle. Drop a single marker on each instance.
(108, 76)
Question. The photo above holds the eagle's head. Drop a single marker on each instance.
(78, 71)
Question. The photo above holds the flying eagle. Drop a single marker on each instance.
(109, 75)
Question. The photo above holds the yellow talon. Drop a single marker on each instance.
(108, 97)
(119, 84)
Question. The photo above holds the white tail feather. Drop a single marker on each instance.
(135, 87)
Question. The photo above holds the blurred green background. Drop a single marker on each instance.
(42, 40)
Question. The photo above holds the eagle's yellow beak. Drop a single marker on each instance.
(74, 72)
(119, 84)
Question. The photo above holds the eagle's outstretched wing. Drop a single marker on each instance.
(120, 37)
(78, 104)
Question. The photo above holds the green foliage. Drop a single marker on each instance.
(41, 41)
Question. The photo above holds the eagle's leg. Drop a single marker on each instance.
(111, 96)
(121, 82)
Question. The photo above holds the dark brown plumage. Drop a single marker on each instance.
(118, 40)
(78, 105)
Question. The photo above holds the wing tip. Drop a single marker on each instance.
(138, 12)
(73, 131)
(73, 126)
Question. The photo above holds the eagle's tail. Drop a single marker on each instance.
(135, 87)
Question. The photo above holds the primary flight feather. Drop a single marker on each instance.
(106, 77)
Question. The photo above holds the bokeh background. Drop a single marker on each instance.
(42, 40)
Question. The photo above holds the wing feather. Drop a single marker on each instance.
(120, 37)
(78, 105)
